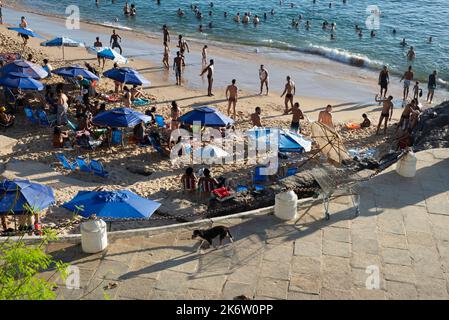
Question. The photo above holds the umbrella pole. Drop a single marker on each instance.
(63, 53)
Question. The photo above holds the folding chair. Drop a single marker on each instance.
(160, 121)
(157, 146)
(44, 120)
(98, 169)
(65, 162)
(84, 167)
(117, 137)
(30, 115)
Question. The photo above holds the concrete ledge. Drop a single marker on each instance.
(114, 235)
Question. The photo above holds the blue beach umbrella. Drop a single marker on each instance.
(18, 195)
(122, 204)
(127, 76)
(27, 32)
(111, 54)
(207, 116)
(120, 118)
(287, 141)
(62, 42)
(19, 81)
(24, 67)
(74, 71)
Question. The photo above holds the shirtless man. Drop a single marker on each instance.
(408, 78)
(114, 42)
(384, 79)
(404, 122)
(98, 45)
(296, 116)
(166, 33)
(237, 17)
(177, 66)
(232, 98)
(325, 116)
(204, 55)
(210, 77)
(411, 54)
(386, 113)
(255, 118)
(263, 76)
(166, 57)
(290, 89)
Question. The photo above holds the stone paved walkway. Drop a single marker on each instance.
(403, 230)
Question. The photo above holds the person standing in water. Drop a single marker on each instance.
(166, 34)
(386, 113)
(263, 76)
(408, 78)
(384, 79)
(177, 66)
(166, 58)
(210, 77)
(114, 42)
(411, 54)
(431, 86)
(183, 46)
(126, 10)
(232, 98)
(204, 55)
(289, 92)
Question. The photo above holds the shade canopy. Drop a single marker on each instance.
(287, 141)
(120, 118)
(122, 204)
(62, 42)
(19, 81)
(26, 68)
(27, 32)
(127, 76)
(74, 71)
(19, 196)
(108, 53)
(207, 116)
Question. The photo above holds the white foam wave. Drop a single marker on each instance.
(116, 26)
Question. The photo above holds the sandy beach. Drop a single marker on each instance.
(350, 90)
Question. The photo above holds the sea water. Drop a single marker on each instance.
(414, 20)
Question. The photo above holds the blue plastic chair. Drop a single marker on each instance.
(83, 165)
(98, 169)
(157, 146)
(291, 172)
(160, 121)
(241, 188)
(30, 115)
(44, 120)
(117, 137)
(65, 162)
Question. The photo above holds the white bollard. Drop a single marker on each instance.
(286, 205)
(94, 236)
(406, 167)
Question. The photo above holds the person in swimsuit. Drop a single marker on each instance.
(408, 78)
(263, 76)
(166, 57)
(297, 115)
(411, 54)
(289, 92)
(166, 33)
(98, 45)
(384, 79)
(204, 55)
(232, 99)
(325, 116)
(24, 24)
(431, 86)
(177, 66)
(404, 122)
(62, 108)
(114, 42)
(183, 47)
(126, 10)
(127, 97)
(210, 77)
(175, 114)
(255, 118)
(386, 113)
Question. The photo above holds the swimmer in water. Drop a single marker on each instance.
(360, 33)
(126, 9)
(307, 25)
(210, 25)
(332, 36)
(225, 14)
(403, 43)
(411, 54)
(430, 40)
(245, 18)
(237, 17)
(133, 11)
(256, 19)
(265, 16)
(200, 29)
(394, 31)
(373, 34)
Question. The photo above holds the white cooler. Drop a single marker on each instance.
(94, 237)
(286, 205)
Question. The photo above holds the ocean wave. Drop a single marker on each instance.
(116, 26)
(342, 56)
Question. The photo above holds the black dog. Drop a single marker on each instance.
(210, 234)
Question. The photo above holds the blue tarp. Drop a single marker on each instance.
(120, 118)
(112, 204)
(15, 194)
(127, 76)
(20, 81)
(26, 68)
(207, 116)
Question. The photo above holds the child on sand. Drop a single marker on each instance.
(366, 121)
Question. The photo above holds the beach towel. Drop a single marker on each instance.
(352, 126)
(141, 102)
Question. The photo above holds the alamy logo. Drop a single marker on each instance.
(73, 278)
(373, 280)
(373, 20)
(72, 21)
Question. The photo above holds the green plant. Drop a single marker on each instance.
(20, 265)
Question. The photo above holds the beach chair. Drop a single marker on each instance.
(83, 166)
(98, 169)
(160, 121)
(157, 146)
(65, 162)
(30, 115)
(117, 137)
(44, 120)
